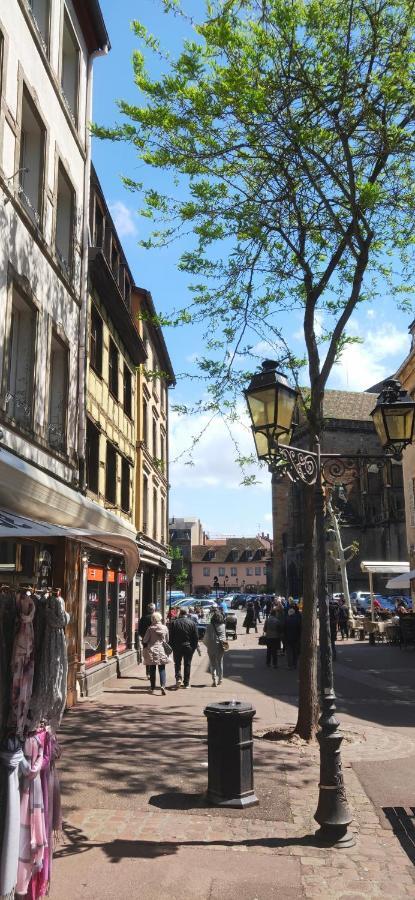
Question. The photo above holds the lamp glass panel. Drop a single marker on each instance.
(286, 406)
(262, 406)
(380, 426)
(261, 444)
(399, 423)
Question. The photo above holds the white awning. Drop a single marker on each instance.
(401, 582)
(384, 568)
(14, 526)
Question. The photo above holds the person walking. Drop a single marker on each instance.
(214, 639)
(143, 624)
(292, 634)
(184, 640)
(343, 620)
(154, 643)
(258, 610)
(250, 618)
(273, 627)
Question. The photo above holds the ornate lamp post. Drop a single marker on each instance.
(271, 403)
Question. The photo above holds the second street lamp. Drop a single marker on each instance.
(271, 403)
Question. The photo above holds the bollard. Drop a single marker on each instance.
(230, 754)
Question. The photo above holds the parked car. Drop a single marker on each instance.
(205, 603)
(361, 601)
(239, 601)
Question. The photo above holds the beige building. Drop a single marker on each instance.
(233, 564)
(115, 353)
(154, 379)
(406, 375)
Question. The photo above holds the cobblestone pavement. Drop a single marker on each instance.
(133, 776)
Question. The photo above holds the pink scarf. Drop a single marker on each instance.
(33, 836)
(22, 665)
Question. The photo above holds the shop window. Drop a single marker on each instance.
(65, 220)
(40, 10)
(206, 571)
(111, 474)
(70, 68)
(145, 504)
(92, 457)
(155, 447)
(113, 369)
(32, 163)
(127, 384)
(95, 341)
(145, 423)
(26, 563)
(155, 513)
(99, 226)
(125, 485)
(58, 394)
(234, 571)
(7, 556)
(20, 378)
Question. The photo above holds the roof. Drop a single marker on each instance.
(224, 551)
(91, 20)
(377, 567)
(347, 405)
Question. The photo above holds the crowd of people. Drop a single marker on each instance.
(281, 630)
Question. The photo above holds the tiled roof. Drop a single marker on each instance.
(224, 552)
(348, 405)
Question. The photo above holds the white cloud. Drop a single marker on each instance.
(123, 219)
(363, 365)
(370, 313)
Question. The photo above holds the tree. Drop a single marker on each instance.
(179, 574)
(288, 131)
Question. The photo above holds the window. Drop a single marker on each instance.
(221, 571)
(21, 361)
(234, 571)
(155, 513)
(58, 394)
(264, 571)
(162, 449)
(92, 457)
(32, 151)
(145, 504)
(145, 424)
(95, 341)
(163, 520)
(115, 261)
(125, 485)
(99, 226)
(249, 571)
(40, 13)
(127, 291)
(111, 474)
(257, 570)
(113, 369)
(127, 384)
(65, 220)
(70, 68)
(206, 571)
(155, 446)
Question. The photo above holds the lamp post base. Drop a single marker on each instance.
(333, 813)
(336, 836)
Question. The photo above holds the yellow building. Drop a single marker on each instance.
(151, 512)
(406, 375)
(115, 352)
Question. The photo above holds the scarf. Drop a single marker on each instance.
(33, 837)
(11, 759)
(22, 665)
(49, 696)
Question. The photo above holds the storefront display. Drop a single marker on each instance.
(33, 673)
(106, 616)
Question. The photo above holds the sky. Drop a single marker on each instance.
(210, 488)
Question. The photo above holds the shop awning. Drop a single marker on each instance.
(14, 526)
(384, 568)
(401, 582)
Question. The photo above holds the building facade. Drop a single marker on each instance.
(184, 534)
(154, 379)
(238, 564)
(371, 507)
(406, 375)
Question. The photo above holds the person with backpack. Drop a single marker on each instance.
(215, 639)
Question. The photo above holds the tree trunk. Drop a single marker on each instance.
(308, 702)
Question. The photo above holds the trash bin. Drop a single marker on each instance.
(230, 754)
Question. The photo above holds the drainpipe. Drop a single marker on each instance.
(83, 324)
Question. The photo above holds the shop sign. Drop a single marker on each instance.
(95, 574)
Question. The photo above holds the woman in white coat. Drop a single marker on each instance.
(154, 641)
(215, 638)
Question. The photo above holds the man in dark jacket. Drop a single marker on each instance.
(144, 623)
(184, 640)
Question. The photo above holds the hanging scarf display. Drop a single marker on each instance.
(22, 664)
(11, 760)
(49, 695)
(7, 632)
(33, 837)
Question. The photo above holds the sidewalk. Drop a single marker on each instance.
(134, 770)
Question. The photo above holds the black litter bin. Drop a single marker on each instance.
(230, 754)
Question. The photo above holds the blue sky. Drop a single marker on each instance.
(210, 488)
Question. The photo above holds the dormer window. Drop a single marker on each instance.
(248, 553)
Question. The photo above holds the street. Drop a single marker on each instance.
(134, 771)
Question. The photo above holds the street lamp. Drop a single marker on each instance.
(271, 404)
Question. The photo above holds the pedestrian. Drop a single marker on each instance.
(143, 624)
(184, 640)
(250, 619)
(272, 630)
(334, 621)
(215, 639)
(268, 606)
(155, 640)
(343, 620)
(193, 614)
(258, 610)
(292, 634)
